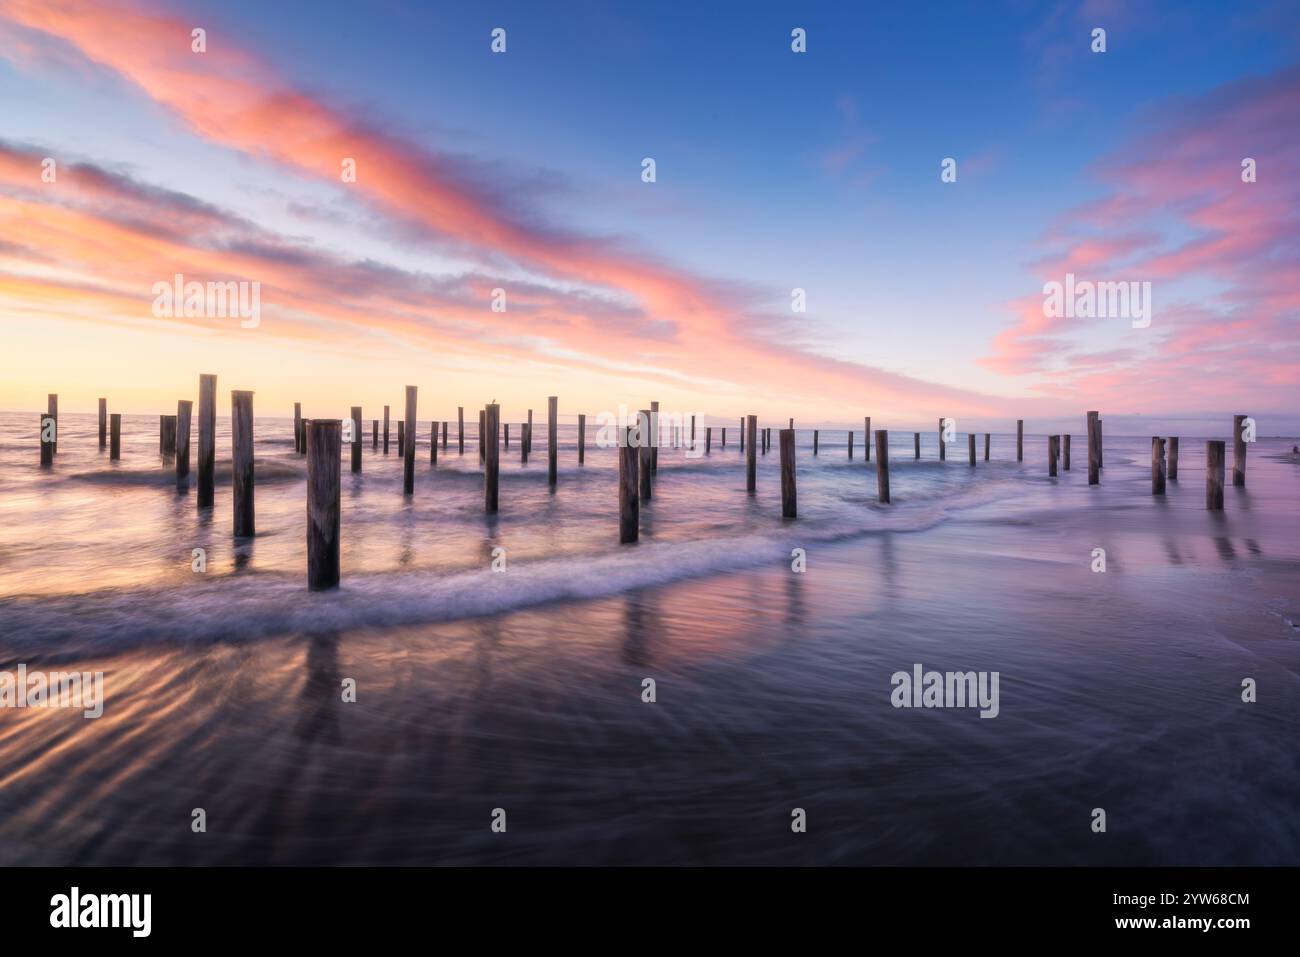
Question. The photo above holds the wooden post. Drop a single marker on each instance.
(324, 450)
(491, 457)
(115, 438)
(529, 434)
(815, 431)
(356, 438)
(654, 436)
(693, 430)
(751, 454)
(1238, 452)
(643, 430)
(523, 443)
(482, 424)
(162, 432)
(460, 427)
(1157, 465)
(1101, 457)
(866, 440)
(433, 443)
(882, 466)
(1215, 454)
(742, 434)
(445, 424)
(52, 404)
(169, 435)
(582, 438)
(789, 499)
(850, 445)
(184, 412)
(385, 430)
(299, 439)
(724, 436)
(374, 435)
(552, 440)
(1094, 450)
(207, 438)
(970, 447)
(47, 427)
(1052, 441)
(916, 445)
(241, 462)
(408, 450)
(401, 438)
(505, 427)
(1066, 456)
(1020, 440)
(103, 423)
(1173, 458)
(988, 437)
(943, 446)
(708, 439)
(628, 504)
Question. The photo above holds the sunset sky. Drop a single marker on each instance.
(775, 170)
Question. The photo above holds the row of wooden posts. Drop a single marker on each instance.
(320, 440)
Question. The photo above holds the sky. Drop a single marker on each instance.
(775, 171)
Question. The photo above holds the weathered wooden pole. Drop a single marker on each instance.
(1238, 451)
(1173, 458)
(582, 438)
(552, 438)
(184, 412)
(882, 466)
(52, 404)
(207, 438)
(46, 436)
(943, 446)
(708, 439)
(970, 447)
(751, 454)
(408, 451)
(523, 443)
(1066, 456)
(401, 438)
(1020, 440)
(654, 436)
(916, 445)
(162, 432)
(385, 430)
(433, 443)
(528, 436)
(1094, 450)
(1215, 454)
(742, 434)
(988, 437)
(505, 429)
(460, 428)
(815, 436)
(693, 431)
(643, 427)
(789, 497)
(482, 448)
(356, 438)
(169, 435)
(445, 425)
(299, 439)
(241, 462)
(724, 437)
(1157, 465)
(103, 423)
(866, 440)
(850, 445)
(115, 437)
(629, 506)
(324, 450)
(1052, 441)
(491, 456)
(374, 435)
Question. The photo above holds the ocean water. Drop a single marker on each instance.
(522, 689)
